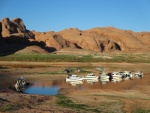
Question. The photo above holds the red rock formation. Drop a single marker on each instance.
(8, 27)
(52, 39)
(15, 27)
(107, 39)
(21, 28)
(127, 40)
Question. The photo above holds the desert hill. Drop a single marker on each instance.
(15, 37)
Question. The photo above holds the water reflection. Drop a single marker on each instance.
(52, 87)
(42, 90)
(75, 83)
(92, 81)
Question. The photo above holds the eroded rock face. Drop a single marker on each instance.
(108, 39)
(97, 39)
(21, 28)
(15, 27)
(8, 27)
(124, 40)
(52, 39)
(90, 40)
(14, 36)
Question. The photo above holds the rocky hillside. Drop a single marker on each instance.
(14, 36)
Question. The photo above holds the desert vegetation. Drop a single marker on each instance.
(130, 58)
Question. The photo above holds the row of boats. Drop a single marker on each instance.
(106, 77)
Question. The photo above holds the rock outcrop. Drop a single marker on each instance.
(107, 39)
(15, 27)
(127, 40)
(14, 36)
(90, 40)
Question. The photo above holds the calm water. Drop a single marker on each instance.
(47, 90)
(52, 87)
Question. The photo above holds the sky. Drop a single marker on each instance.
(57, 15)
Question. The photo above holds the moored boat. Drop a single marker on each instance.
(126, 75)
(73, 78)
(138, 74)
(90, 76)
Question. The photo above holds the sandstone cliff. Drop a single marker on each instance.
(107, 39)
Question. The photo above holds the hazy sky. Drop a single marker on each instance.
(57, 15)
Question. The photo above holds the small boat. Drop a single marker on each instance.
(116, 74)
(138, 74)
(20, 85)
(105, 77)
(105, 80)
(116, 77)
(126, 75)
(90, 76)
(73, 78)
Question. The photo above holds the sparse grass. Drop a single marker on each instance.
(133, 58)
(10, 107)
(67, 102)
(138, 110)
(110, 106)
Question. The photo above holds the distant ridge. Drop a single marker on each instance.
(14, 37)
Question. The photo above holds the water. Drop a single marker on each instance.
(52, 87)
(42, 90)
(47, 87)
(43, 86)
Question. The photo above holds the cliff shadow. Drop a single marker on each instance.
(12, 44)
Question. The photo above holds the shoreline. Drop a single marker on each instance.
(135, 98)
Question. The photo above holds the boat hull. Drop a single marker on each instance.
(72, 80)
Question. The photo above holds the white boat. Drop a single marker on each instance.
(138, 74)
(126, 75)
(73, 78)
(116, 74)
(90, 76)
(116, 77)
(104, 80)
(104, 77)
